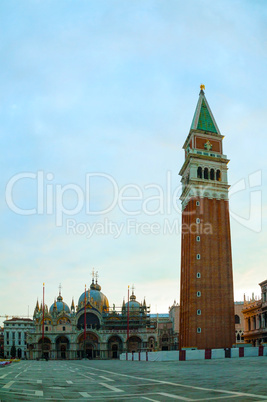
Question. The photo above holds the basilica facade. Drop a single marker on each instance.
(92, 329)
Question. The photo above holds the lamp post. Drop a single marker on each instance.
(43, 323)
(128, 320)
(84, 331)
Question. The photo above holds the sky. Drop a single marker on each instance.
(96, 101)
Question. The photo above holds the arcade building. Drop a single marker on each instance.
(255, 317)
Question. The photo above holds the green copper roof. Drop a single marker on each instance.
(205, 121)
(203, 118)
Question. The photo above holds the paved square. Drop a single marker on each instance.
(90, 380)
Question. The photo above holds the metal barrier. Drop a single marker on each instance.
(227, 352)
(207, 353)
(182, 355)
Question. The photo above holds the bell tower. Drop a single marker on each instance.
(207, 303)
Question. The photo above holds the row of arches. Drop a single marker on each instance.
(88, 348)
(239, 336)
(208, 174)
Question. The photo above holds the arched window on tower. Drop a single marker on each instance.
(218, 175)
(238, 338)
(206, 173)
(212, 174)
(199, 172)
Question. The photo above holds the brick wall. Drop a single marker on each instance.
(215, 304)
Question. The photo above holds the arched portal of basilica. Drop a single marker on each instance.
(62, 347)
(89, 347)
(115, 347)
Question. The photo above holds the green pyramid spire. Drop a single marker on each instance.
(203, 119)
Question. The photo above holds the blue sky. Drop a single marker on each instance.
(111, 87)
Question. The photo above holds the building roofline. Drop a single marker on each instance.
(19, 319)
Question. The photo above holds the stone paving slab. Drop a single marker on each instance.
(90, 380)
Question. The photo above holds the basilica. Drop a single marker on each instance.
(95, 330)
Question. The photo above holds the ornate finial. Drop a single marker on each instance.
(132, 288)
(202, 87)
(93, 275)
(59, 288)
(96, 276)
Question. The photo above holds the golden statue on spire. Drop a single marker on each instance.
(202, 87)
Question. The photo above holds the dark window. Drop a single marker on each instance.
(237, 319)
(46, 328)
(254, 322)
(206, 173)
(212, 174)
(238, 337)
(218, 175)
(199, 172)
(63, 328)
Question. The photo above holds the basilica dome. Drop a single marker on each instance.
(59, 306)
(95, 297)
(134, 306)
